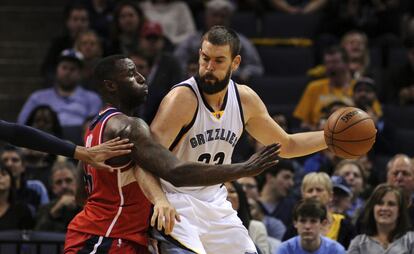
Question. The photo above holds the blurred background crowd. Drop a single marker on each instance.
(304, 58)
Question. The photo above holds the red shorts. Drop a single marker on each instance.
(78, 242)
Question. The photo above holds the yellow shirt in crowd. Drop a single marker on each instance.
(319, 94)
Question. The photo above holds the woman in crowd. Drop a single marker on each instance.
(12, 215)
(128, 22)
(386, 224)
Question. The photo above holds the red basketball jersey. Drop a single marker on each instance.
(116, 206)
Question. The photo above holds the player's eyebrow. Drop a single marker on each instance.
(217, 57)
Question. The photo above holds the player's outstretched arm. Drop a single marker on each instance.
(264, 129)
(153, 157)
(25, 136)
(164, 214)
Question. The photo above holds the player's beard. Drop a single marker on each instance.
(214, 87)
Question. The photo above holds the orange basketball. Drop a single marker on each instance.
(349, 132)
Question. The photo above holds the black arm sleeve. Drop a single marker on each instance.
(24, 136)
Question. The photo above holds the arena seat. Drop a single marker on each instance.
(245, 23)
(283, 25)
(31, 242)
(399, 116)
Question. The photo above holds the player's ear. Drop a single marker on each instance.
(235, 63)
(110, 86)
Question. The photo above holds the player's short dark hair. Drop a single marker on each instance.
(310, 208)
(337, 49)
(221, 35)
(106, 69)
(283, 164)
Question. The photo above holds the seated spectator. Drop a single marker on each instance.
(310, 219)
(398, 84)
(298, 7)
(76, 21)
(67, 98)
(100, 12)
(400, 173)
(91, 47)
(174, 17)
(354, 174)
(165, 69)
(386, 224)
(319, 186)
(219, 12)
(56, 215)
(356, 45)
(13, 215)
(38, 164)
(274, 227)
(275, 184)
(29, 192)
(249, 185)
(256, 229)
(320, 93)
(365, 97)
(342, 195)
(128, 22)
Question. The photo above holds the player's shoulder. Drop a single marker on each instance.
(123, 125)
(248, 97)
(181, 96)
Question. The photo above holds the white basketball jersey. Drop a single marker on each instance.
(209, 139)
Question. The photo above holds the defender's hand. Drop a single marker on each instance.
(263, 159)
(97, 155)
(164, 215)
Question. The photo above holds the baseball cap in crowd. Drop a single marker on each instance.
(340, 185)
(71, 55)
(369, 82)
(151, 28)
(217, 5)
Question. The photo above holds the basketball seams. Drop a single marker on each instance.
(349, 126)
(333, 128)
(356, 140)
(345, 151)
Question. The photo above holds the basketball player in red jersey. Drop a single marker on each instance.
(115, 217)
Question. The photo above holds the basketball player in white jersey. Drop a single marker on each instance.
(201, 119)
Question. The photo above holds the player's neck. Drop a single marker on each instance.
(215, 100)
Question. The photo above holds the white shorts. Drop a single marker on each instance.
(209, 227)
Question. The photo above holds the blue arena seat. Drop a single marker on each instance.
(280, 90)
(286, 61)
(245, 23)
(283, 25)
(31, 242)
(404, 140)
(399, 116)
